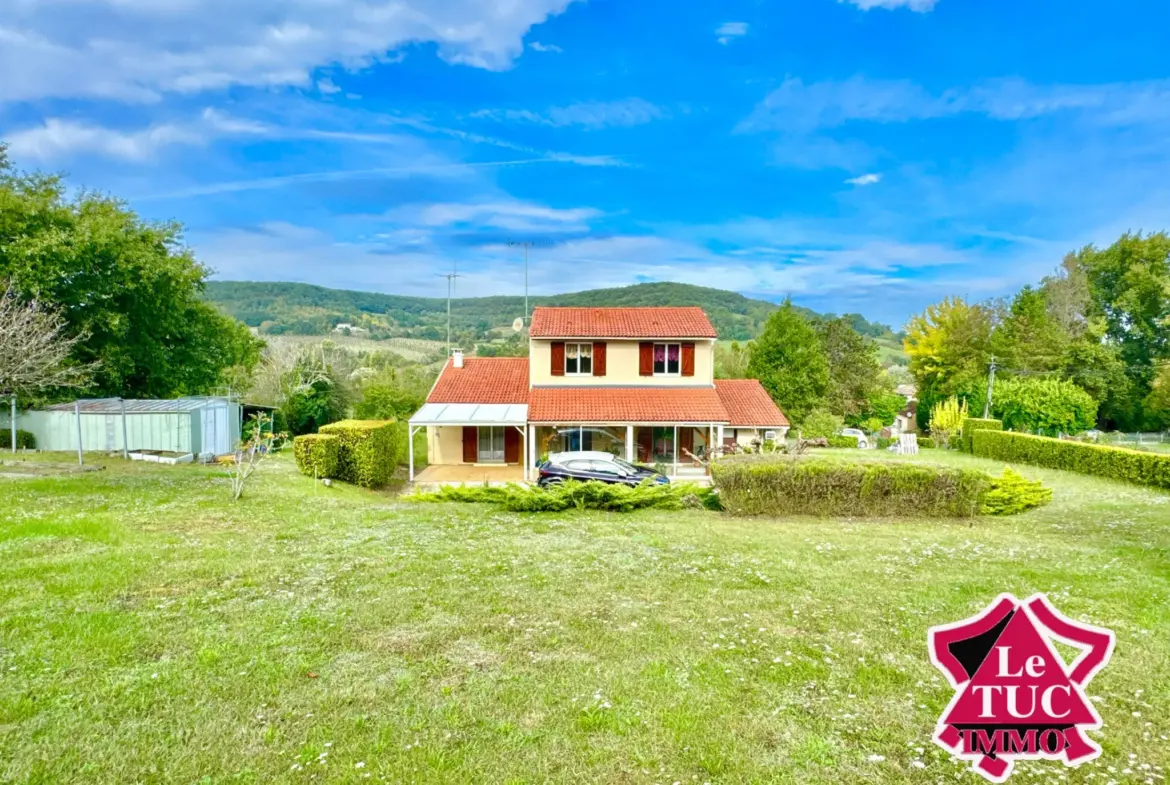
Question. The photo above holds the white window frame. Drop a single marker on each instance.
(577, 345)
(666, 358)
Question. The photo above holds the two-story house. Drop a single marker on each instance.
(637, 382)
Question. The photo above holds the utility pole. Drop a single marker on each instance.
(451, 276)
(990, 387)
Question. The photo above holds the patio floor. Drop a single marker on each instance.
(462, 474)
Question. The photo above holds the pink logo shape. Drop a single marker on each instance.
(1015, 697)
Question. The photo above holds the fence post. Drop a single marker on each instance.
(77, 415)
(125, 438)
(13, 424)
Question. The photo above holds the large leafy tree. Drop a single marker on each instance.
(128, 287)
(790, 363)
(854, 370)
(1047, 406)
(1128, 287)
(1028, 337)
(949, 346)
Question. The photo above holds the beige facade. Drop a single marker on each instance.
(444, 444)
(621, 366)
(745, 436)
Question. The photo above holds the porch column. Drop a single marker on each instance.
(676, 450)
(410, 452)
(532, 456)
(526, 452)
(719, 435)
(629, 444)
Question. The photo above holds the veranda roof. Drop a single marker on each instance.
(471, 414)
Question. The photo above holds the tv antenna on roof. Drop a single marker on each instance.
(451, 276)
(526, 244)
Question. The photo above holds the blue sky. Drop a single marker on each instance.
(867, 155)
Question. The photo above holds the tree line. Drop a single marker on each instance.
(1089, 345)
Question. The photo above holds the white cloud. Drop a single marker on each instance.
(590, 115)
(327, 87)
(138, 50)
(728, 31)
(865, 179)
(537, 46)
(59, 139)
(513, 215)
(799, 107)
(921, 6)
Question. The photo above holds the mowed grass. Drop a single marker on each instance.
(152, 631)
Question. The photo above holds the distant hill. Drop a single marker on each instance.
(303, 309)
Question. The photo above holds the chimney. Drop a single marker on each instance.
(457, 357)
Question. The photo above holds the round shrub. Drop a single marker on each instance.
(24, 440)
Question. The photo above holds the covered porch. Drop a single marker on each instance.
(469, 474)
(477, 439)
(677, 449)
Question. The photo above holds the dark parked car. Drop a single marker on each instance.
(601, 466)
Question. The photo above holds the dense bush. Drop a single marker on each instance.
(825, 487)
(1115, 463)
(972, 424)
(840, 441)
(821, 424)
(368, 450)
(24, 439)
(1011, 494)
(317, 454)
(577, 495)
(927, 442)
(885, 442)
(1049, 406)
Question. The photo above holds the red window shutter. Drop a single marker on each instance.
(599, 359)
(511, 445)
(688, 359)
(645, 444)
(646, 359)
(558, 358)
(470, 444)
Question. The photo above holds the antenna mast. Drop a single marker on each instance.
(451, 276)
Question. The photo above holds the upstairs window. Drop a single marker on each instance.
(578, 359)
(667, 359)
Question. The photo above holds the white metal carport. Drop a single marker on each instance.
(475, 415)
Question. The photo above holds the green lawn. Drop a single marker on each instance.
(151, 631)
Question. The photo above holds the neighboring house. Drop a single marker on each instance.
(637, 382)
(346, 327)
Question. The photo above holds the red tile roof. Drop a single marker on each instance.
(483, 380)
(748, 404)
(689, 322)
(625, 404)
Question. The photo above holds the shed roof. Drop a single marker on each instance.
(148, 406)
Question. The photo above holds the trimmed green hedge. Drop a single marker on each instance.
(573, 495)
(368, 450)
(24, 440)
(843, 442)
(927, 442)
(317, 454)
(826, 487)
(972, 424)
(1142, 468)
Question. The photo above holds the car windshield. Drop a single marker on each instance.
(627, 466)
